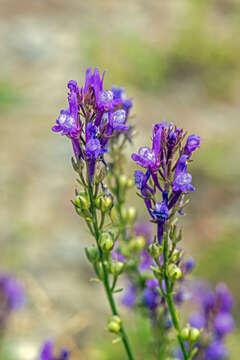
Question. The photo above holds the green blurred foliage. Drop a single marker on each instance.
(195, 54)
(9, 96)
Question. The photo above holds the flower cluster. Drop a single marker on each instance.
(214, 316)
(47, 352)
(94, 115)
(166, 171)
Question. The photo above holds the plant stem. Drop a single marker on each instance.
(105, 273)
(169, 298)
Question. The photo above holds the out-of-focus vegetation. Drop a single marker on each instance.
(196, 53)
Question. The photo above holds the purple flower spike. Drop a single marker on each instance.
(189, 264)
(224, 297)
(216, 351)
(193, 143)
(182, 179)
(150, 298)
(12, 290)
(130, 296)
(197, 320)
(47, 352)
(223, 323)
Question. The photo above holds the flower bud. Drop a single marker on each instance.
(130, 183)
(92, 254)
(185, 333)
(174, 272)
(114, 324)
(116, 267)
(82, 201)
(106, 241)
(137, 243)
(155, 250)
(123, 181)
(176, 255)
(104, 202)
(194, 334)
(131, 214)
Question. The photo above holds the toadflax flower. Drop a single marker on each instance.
(165, 165)
(94, 115)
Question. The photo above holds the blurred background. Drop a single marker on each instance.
(179, 60)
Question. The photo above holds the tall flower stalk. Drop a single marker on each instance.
(92, 120)
(166, 177)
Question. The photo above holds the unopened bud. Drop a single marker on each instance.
(104, 202)
(155, 250)
(106, 241)
(137, 243)
(123, 181)
(185, 333)
(194, 334)
(130, 183)
(92, 254)
(82, 201)
(176, 255)
(114, 324)
(174, 271)
(131, 214)
(116, 267)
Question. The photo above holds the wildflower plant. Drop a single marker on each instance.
(97, 122)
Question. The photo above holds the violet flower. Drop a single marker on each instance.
(182, 179)
(216, 351)
(119, 94)
(193, 143)
(12, 297)
(47, 352)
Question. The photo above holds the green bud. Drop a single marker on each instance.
(174, 271)
(124, 214)
(92, 254)
(104, 202)
(130, 183)
(185, 333)
(106, 241)
(137, 243)
(114, 327)
(131, 214)
(194, 334)
(123, 181)
(82, 201)
(117, 319)
(155, 250)
(107, 203)
(116, 267)
(176, 255)
(114, 324)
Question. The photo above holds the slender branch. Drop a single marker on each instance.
(169, 298)
(105, 273)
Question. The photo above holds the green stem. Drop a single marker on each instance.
(105, 273)
(169, 298)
